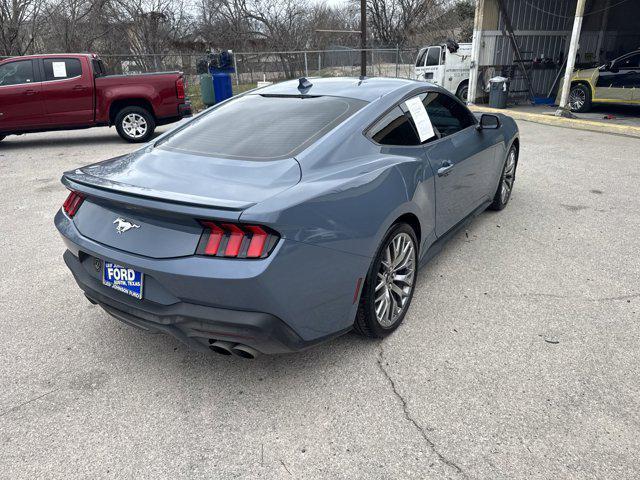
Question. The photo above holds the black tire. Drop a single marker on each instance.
(130, 126)
(366, 322)
(582, 95)
(463, 92)
(509, 176)
(2, 137)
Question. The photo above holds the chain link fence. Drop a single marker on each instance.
(252, 67)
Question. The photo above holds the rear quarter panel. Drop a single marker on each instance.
(157, 89)
(347, 211)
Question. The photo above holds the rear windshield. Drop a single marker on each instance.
(258, 127)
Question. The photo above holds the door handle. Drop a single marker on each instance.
(29, 92)
(79, 88)
(445, 168)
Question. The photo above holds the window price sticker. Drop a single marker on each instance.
(420, 118)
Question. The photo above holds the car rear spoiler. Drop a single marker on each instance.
(191, 205)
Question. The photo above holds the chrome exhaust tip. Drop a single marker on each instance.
(244, 351)
(223, 348)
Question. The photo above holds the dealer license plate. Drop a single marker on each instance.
(123, 279)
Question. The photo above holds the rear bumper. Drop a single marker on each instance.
(299, 296)
(197, 326)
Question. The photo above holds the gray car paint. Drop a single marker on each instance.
(332, 217)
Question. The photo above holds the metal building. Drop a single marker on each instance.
(529, 41)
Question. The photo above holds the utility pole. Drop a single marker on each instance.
(478, 23)
(571, 59)
(363, 38)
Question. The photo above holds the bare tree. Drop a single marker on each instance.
(223, 24)
(398, 22)
(75, 25)
(340, 19)
(18, 25)
(151, 27)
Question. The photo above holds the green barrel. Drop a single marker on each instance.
(206, 89)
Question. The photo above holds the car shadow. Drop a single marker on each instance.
(158, 349)
(46, 140)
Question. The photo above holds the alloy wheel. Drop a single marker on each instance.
(394, 280)
(577, 99)
(508, 177)
(135, 125)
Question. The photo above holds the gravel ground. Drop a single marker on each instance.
(519, 357)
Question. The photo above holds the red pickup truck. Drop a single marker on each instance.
(68, 91)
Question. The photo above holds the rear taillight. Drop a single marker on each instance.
(234, 240)
(72, 203)
(180, 88)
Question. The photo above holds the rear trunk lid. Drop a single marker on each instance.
(227, 184)
(160, 196)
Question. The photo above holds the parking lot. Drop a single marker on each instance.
(519, 356)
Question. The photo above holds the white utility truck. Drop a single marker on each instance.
(446, 65)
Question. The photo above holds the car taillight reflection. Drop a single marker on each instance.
(233, 240)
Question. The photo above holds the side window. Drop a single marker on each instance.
(630, 62)
(446, 114)
(61, 68)
(433, 56)
(421, 56)
(16, 73)
(394, 128)
(98, 68)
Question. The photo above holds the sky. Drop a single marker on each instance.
(332, 3)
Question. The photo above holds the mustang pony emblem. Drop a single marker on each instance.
(123, 225)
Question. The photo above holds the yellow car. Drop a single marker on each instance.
(616, 82)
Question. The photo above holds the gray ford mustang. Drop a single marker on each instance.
(287, 215)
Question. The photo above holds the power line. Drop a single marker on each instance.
(535, 7)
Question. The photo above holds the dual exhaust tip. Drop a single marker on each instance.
(237, 349)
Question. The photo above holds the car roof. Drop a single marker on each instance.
(367, 89)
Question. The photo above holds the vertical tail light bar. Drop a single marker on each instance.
(72, 203)
(180, 88)
(213, 239)
(232, 240)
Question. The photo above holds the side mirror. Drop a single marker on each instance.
(606, 67)
(488, 122)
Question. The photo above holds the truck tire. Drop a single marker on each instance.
(463, 92)
(135, 124)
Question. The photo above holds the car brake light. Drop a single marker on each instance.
(180, 88)
(72, 203)
(233, 240)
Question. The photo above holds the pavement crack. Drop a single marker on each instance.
(26, 402)
(407, 415)
(285, 467)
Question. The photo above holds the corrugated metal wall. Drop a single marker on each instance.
(543, 31)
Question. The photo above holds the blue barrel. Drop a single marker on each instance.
(222, 86)
(221, 66)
